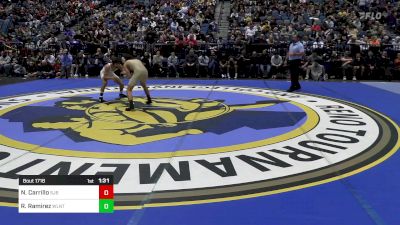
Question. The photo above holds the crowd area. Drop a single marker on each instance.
(38, 22)
(343, 40)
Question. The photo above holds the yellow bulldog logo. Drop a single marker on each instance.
(166, 118)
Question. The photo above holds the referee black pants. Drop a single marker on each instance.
(294, 68)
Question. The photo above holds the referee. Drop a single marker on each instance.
(293, 58)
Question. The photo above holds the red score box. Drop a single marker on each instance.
(106, 192)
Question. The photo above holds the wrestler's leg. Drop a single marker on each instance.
(103, 87)
(146, 90)
(121, 86)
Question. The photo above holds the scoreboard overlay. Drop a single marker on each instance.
(66, 194)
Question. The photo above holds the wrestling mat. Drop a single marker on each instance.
(209, 152)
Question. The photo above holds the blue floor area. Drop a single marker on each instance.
(389, 86)
(368, 198)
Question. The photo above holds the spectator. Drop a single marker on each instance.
(314, 57)
(98, 60)
(174, 26)
(5, 63)
(90, 65)
(19, 70)
(317, 71)
(346, 65)
(173, 63)
(75, 66)
(157, 63)
(146, 60)
(255, 64)
(370, 65)
(204, 60)
(107, 56)
(44, 71)
(358, 66)
(241, 62)
(50, 59)
(213, 65)
(191, 64)
(265, 63)
(276, 64)
(82, 61)
(191, 41)
(232, 67)
(396, 67)
(223, 65)
(250, 33)
(66, 63)
(335, 69)
(384, 67)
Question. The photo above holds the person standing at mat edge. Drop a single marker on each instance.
(135, 69)
(293, 59)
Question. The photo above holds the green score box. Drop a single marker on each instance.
(106, 206)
